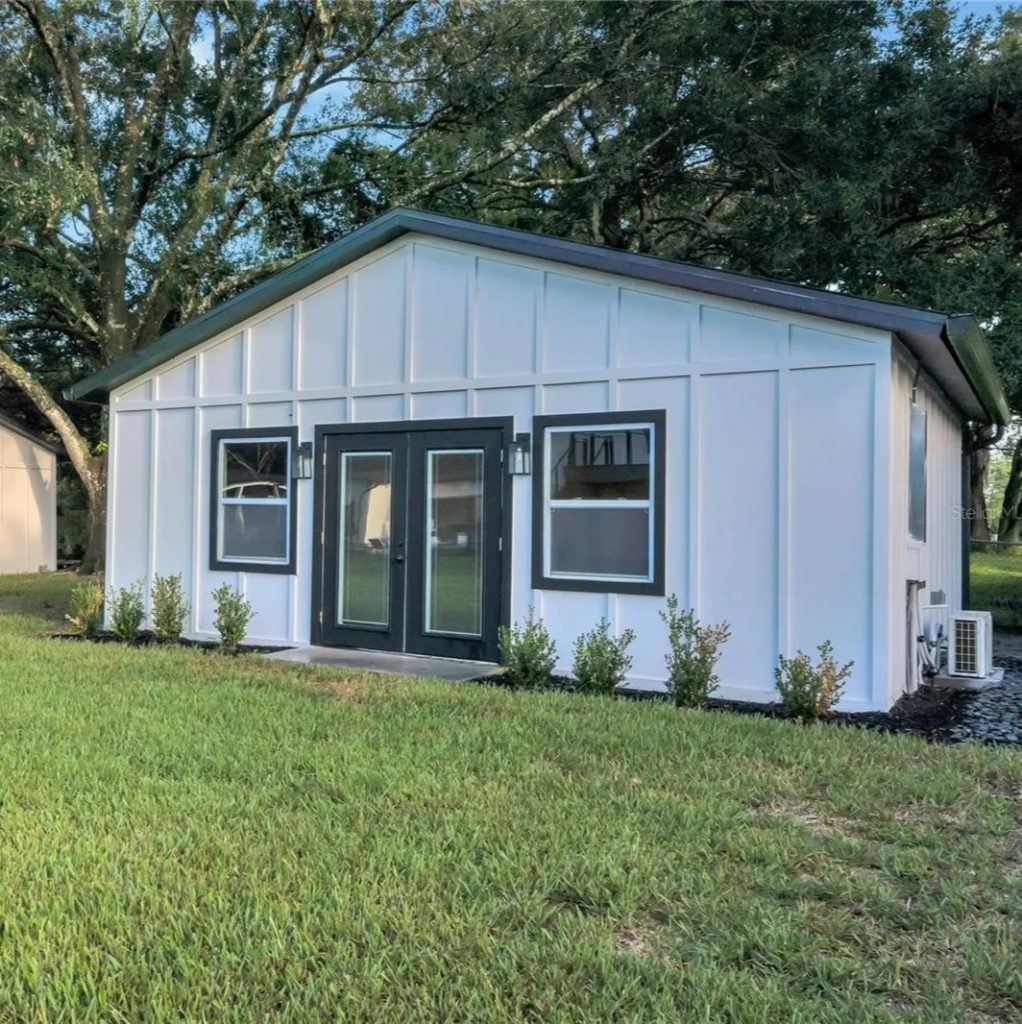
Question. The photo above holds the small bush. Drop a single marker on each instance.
(170, 609)
(694, 653)
(127, 610)
(233, 614)
(601, 660)
(811, 691)
(528, 652)
(85, 607)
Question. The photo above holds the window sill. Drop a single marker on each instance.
(651, 588)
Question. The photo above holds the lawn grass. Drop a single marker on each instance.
(185, 836)
(995, 580)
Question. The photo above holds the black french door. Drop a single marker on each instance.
(410, 540)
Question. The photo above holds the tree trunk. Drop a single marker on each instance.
(980, 525)
(1010, 525)
(95, 547)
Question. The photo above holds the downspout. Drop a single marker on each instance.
(966, 521)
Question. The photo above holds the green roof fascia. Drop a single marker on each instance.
(970, 345)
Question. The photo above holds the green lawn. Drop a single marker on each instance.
(189, 837)
(996, 583)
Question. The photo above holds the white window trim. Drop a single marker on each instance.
(258, 502)
(649, 503)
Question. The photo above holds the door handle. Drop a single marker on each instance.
(399, 558)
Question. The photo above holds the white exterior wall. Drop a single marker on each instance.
(777, 448)
(28, 504)
(938, 559)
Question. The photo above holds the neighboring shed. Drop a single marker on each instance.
(28, 500)
(346, 443)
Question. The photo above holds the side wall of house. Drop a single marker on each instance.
(938, 558)
(776, 445)
(28, 505)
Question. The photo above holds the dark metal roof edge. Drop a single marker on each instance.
(885, 316)
(29, 434)
(969, 344)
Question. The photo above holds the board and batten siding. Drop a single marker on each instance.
(28, 504)
(937, 559)
(777, 446)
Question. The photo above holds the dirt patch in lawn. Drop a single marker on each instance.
(813, 821)
(349, 689)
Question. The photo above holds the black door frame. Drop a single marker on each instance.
(388, 638)
(505, 424)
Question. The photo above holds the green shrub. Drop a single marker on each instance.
(528, 652)
(85, 607)
(170, 609)
(601, 660)
(694, 652)
(810, 691)
(127, 610)
(233, 614)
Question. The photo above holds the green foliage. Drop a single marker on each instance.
(127, 610)
(293, 845)
(694, 651)
(810, 691)
(85, 606)
(995, 582)
(233, 614)
(602, 661)
(170, 609)
(528, 652)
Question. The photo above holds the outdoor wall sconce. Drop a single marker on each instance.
(302, 469)
(519, 455)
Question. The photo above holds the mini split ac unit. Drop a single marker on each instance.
(970, 648)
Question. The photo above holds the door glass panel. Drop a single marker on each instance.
(364, 544)
(454, 541)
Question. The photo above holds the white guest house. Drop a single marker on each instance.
(431, 425)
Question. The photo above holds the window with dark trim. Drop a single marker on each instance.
(252, 506)
(598, 502)
(917, 473)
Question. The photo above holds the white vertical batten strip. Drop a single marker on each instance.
(471, 340)
(538, 409)
(692, 598)
(241, 577)
(197, 540)
(408, 270)
(784, 499)
(303, 487)
(154, 457)
(113, 428)
(612, 602)
(883, 687)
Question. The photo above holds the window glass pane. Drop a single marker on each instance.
(454, 542)
(599, 464)
(364, 547)
(255, 469)
(255, 531)
(600, 541)
(917, 473)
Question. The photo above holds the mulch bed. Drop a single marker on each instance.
(146, 639)
(929, 713)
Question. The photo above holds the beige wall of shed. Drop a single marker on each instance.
(28, 505)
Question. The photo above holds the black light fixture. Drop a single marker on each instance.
(519, 455)
(302, 467)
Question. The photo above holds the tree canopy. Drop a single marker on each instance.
(156, 156)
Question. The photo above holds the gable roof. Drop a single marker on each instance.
(29, 434)
(953, 349)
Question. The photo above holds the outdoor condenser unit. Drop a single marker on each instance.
(969, 649)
